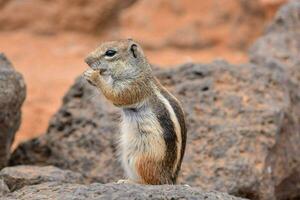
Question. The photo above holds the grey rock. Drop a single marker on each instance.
(279, 49)
(287, 18)
(20, 176)
(3, 188)
(12, 96)
(113, 191)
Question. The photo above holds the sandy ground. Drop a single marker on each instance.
(50, 63)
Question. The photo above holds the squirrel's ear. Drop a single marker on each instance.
(134, 50)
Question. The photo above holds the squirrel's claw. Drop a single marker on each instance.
(91, 76)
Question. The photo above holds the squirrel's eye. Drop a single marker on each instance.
(110, 53)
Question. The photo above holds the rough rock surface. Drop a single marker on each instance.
(280, 45)
(53, 16)
(113, 191)
(279, 49)
(60, 184)
(242, 120)
(3, 188)
(20, 176)
(12, 95)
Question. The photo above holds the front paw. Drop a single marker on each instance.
(91, 76)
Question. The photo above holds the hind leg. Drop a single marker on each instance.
(151, 171)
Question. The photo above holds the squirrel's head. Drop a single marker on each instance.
(121, 60)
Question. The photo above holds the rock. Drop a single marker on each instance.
(49, 182)
(90, 16)
(279, 49)
(12, 96)
(113, 191)
(3, 188)
(20, 176)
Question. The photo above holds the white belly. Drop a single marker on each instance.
(141, 135)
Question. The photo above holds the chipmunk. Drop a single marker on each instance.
(153, 131)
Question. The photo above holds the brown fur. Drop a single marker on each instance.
(181, 118)
(149, 170)
(129, 95)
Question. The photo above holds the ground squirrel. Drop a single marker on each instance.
(153, 132)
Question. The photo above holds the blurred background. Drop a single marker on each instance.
(47, 40)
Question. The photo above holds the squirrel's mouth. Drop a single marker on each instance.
(98, 67)
(103, 71)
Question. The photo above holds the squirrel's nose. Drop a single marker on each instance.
(89, 60)
(95, 64)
